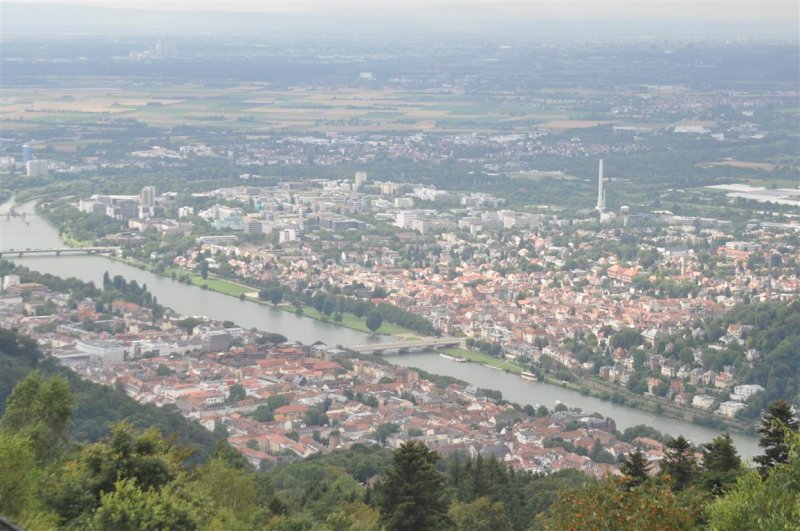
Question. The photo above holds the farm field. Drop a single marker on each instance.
(258, 108)
(748, 165)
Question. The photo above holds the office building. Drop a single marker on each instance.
(361, 178)
(37, 168)
(147, 197)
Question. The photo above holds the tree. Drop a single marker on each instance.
(412, 495)
(276, 401)
(374, 320)
(480, 515)
(626, 339)
(679, 462)
(130, 508)
(202, 266)
(721, 464)
(147, 459)
(276, 295)
(233, 492)
(328, 306)
(382, 431)
(188, 325)
(17, 475)
(236, 392)
(315, 416)
(263, 413)
(769, 503)
(778, 418)
(636, 468)
(609, 505)
(163, 370)
(40, 410)
(273, 294)
(352, 516)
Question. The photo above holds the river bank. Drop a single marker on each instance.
(184, 298)
(552, 392)
(606, 392)
(242, 291)
(236, 289)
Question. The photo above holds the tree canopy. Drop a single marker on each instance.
(412, 495)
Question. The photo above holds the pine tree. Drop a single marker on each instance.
(721, 464)
(412, 496)
(679, 462)
(778, 418)
(636, 468)
(720, 455)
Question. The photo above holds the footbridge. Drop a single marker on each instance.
(403, 346)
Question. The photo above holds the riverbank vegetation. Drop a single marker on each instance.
(555, 374)
(116, 288)
(348, 320)
(272, 294)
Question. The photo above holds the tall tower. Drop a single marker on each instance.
(601, 194)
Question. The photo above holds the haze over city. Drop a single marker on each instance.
(399, 266)
(530, 20)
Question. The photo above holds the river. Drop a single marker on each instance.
(515, 389)
(35, 233)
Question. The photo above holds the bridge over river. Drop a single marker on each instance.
(58, 251)
(407, 346)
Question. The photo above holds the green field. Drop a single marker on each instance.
(222, 286)
(349, 320)
(479, 357)
(219, 285)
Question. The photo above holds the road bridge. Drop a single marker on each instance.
(432, 343)
(58, 251)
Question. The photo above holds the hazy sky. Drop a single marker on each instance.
(641, 9)
(565, 19)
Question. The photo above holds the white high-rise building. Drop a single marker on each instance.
(10, 280)
(601, 193)
(287, 235)
(37, 168)
(405, 218)
(185, 211)
(361, 178)
(147, 197)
